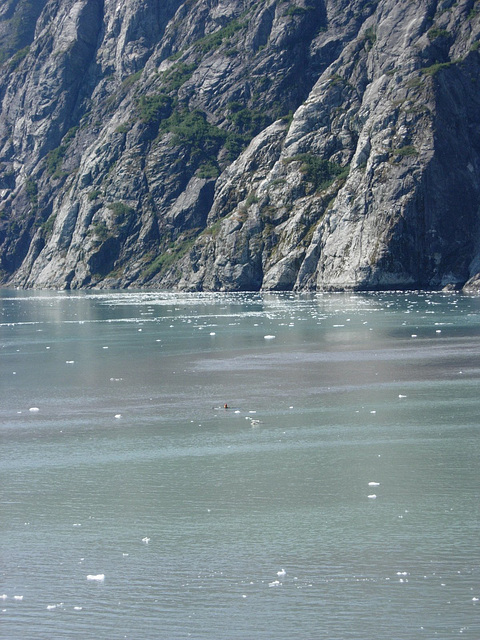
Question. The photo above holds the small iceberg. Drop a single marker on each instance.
(269, 337)
(372, 496)
(281, 573)
(34, 409)
(373, 484)
(146, 540)
(100, 577)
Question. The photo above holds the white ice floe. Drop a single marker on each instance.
(118, 415)
(212, 333)
(99, 577)
(400, 395)
(3, 597)
(34, 409)
(282, 572)
(372, 496)
(373, 484)
(275, 583)
(18, 598)
(51, 606)
(269, 337)
(69, 361)
(146, 540)
(77, 608)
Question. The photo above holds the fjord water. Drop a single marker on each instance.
(337, 498)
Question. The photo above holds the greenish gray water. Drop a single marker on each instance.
(254, 522)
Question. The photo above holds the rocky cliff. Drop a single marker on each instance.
(240, 144)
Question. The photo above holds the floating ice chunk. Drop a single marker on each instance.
(146, 540)
(77, 608)
(373, 412)
(474, 599)
(373, 484)
(99, 577)
(34, 409)
(51, 606)
(414, 335)
(18, 598)
(3, 597)
(269, 337)
(438, 331)
(212, 333)
(118, 415)
(372, 496)
(69, 361)
(400, 395)
(275, 583)
(282, 572)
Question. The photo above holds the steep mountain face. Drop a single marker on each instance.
(240, 144)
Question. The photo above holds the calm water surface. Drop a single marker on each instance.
(133, 506)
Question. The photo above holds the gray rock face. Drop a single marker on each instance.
(240, 145)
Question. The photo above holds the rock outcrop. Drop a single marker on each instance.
(240, 145)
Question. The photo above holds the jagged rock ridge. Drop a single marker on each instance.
(240, 144)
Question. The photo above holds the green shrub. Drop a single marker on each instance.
(208, 170)
(130, 80)
(54, 158)
(247, 121)
(16, 59)
(121, 211)
(252, 198)
(370, 36)
(295, 10)
(54, 161)
(47, 226)
(32, 191)
(319, 172)
(214, 40)
(435, 68)
(100, 231)
(407, 150)
(435, 33)
(154, 108)
(192, 130)
(93, 195)
(177, 75)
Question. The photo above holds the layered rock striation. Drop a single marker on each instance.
(240, 144)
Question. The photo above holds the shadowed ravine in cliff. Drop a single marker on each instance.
(240, 145)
